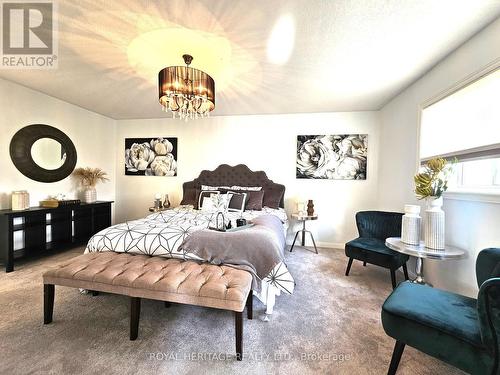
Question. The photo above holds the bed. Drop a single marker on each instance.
(161, 234)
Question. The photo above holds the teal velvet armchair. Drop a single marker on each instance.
(461, 331)
(373, 228)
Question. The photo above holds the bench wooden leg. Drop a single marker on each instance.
(250, 305)
(48, 303)
(135, 312)
(238, 320)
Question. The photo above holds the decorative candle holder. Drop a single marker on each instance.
(301, 208)
(310, 208)
(166, 202)
(20, 200)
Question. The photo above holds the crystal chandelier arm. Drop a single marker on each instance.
(176, 101)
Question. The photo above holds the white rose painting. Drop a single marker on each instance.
(333, 157)
(151, 156)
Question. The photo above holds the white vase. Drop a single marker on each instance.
(410, 225)
(90, 195)
(434, 224)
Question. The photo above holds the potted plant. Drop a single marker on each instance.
(88, 179)
(430, 184)
(432, 181)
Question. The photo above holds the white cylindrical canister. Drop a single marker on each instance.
(410, 225)
(434, 224)
(26, 199)
(17, 201)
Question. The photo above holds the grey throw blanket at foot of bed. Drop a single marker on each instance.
(257, 249)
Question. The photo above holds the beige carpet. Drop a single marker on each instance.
(330, 325)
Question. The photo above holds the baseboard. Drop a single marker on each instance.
(341, 246)
(326, 245)
(331, 245)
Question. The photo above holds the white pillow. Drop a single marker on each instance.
(215, 201)
(209, 188)
(221, 201)
(234, 187)
(207, 204)
(205, 194)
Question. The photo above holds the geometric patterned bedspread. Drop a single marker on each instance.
(161, 234)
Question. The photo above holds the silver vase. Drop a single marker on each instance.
(434, 224)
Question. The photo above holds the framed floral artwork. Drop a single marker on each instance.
(333, 157)
(151, 156)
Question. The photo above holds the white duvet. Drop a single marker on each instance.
(161, 234)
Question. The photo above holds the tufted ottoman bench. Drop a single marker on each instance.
(164, 279)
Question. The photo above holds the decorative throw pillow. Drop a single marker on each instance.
(214, 200)
(234, 187)
(208, 187)
(249, 188)
(221, 201)
(272, 198)
(254, 201)
(191, 197)
(202, 197)
(237, 202)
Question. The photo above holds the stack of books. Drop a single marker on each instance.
(54, 203)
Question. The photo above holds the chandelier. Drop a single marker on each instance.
(186, 92)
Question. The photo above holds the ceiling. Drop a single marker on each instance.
(266, 56)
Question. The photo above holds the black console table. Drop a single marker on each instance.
(41, 230)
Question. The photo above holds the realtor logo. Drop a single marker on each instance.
(29, 35)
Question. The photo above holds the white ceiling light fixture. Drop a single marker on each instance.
(281, 41)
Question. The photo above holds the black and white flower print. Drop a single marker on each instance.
(151, 157)
(336, 157)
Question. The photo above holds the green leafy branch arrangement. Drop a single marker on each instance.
(432, 181)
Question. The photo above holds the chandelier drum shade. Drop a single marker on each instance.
(185, 91)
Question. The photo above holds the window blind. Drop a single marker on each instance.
(465, 124)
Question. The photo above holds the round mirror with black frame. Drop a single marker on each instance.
(43, 153)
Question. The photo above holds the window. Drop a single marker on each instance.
(478, 175)
(465, 124)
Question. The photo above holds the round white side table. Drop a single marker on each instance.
(304, 218)
(421, 252)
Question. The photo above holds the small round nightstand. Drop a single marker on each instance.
(304, 218)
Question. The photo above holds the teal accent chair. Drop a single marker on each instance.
(373, 228)
(461, 331)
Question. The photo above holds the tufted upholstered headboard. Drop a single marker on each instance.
(241, 175)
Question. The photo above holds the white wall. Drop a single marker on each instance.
(470, 225)
(263, 143)
(93, 136)
(268, 143)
